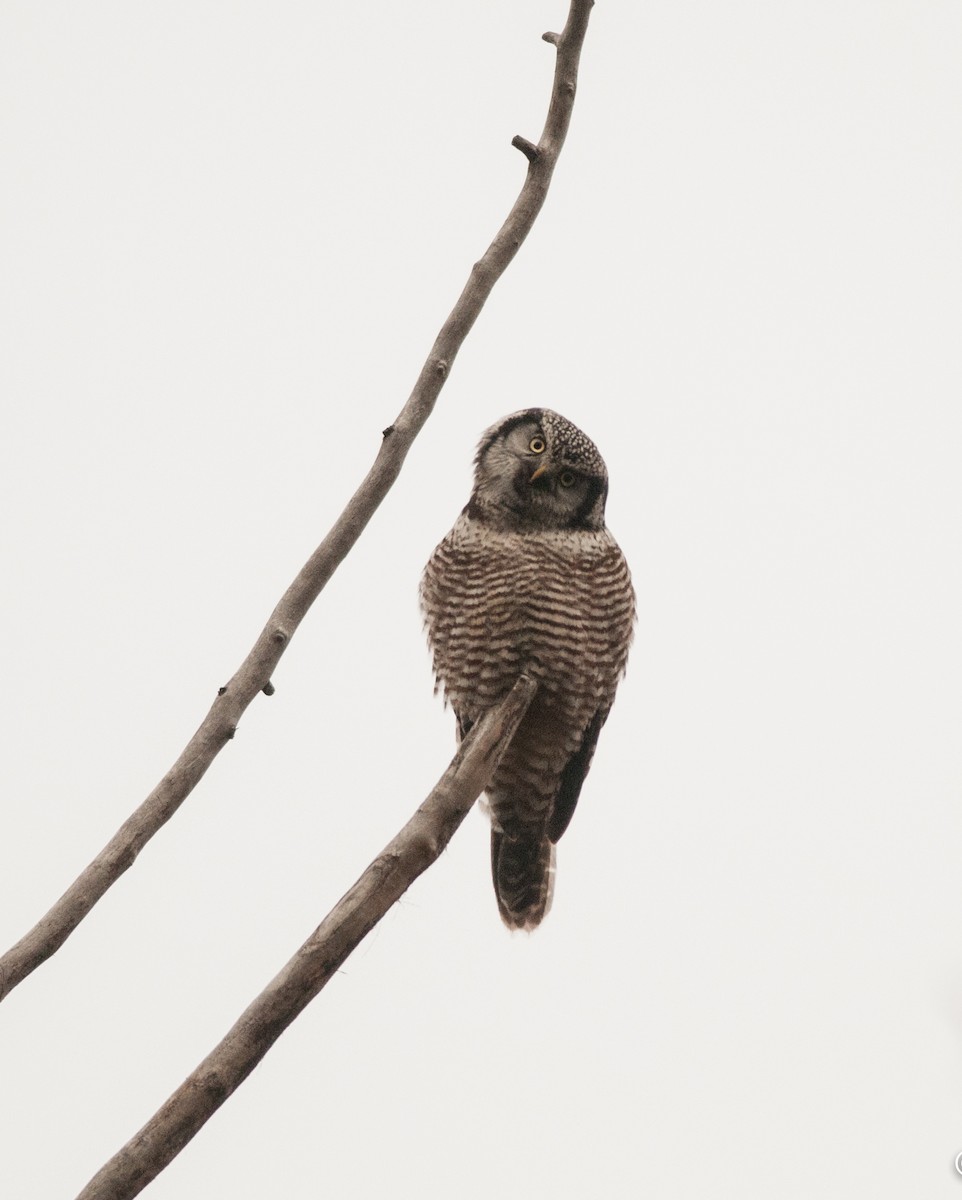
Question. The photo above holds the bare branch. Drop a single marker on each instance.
(528, 149)
(387, 878)
(254, 674)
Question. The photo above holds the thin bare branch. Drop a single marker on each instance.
(387, 878)
(254, 674)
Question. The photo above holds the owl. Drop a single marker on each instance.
(529, 581)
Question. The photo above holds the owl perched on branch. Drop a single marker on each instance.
(529, 581)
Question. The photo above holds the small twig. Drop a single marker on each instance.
(528, 149)
(232, 701)
(387, 878)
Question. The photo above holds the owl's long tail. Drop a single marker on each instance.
(522, 867)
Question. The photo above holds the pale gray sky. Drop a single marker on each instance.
(228, 235)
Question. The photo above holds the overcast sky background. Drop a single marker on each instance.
(228, 236)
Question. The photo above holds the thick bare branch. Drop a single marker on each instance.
(387, 878)
(254, 674)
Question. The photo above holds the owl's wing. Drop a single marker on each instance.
(574, 776)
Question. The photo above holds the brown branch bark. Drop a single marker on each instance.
(254, 674)
(387, 878)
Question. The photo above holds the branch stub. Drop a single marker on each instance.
(528, 149)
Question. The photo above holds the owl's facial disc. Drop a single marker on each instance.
(537, 471)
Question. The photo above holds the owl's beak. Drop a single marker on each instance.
(542, 469)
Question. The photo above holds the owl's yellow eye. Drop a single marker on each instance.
(566, 478)
(537, 445)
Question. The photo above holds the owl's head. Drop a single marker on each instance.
(535, 470)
